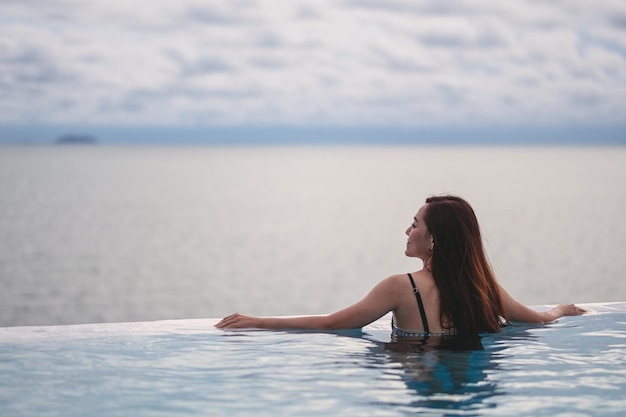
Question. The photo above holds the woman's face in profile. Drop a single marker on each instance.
(419, 243)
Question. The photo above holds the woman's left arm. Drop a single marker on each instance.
(380, 300)
(516, 311)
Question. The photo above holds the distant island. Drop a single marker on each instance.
(75, 139)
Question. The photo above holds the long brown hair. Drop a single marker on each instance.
(468, 292)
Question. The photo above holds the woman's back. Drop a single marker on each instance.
(407, 316)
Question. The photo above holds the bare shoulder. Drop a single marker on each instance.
(393, 283)
(396, 280)
(400, 284)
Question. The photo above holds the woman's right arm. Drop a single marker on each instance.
(518, 312)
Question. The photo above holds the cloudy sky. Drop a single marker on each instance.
(313, 62)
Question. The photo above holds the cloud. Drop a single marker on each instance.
(401, 63)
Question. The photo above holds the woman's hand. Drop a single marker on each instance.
(238, 321)
(560, 311)
(568, 310)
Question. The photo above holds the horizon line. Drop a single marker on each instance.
(314, 134)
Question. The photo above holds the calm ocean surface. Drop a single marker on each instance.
(106, 234)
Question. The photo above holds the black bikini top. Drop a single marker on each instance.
(420, 304)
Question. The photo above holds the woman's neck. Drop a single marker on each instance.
(427, 261)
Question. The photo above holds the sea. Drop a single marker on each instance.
(103, 233)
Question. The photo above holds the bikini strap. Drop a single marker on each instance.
(420, 304)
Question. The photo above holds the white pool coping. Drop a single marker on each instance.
(195, 326)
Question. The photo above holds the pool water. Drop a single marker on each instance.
(574, 367)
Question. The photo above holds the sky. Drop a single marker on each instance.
(387, 64)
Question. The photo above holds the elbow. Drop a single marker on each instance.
(330, 323)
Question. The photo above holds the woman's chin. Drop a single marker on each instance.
(410, 254)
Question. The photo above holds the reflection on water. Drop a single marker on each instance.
(447, 372)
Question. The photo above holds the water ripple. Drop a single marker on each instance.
(187, 367)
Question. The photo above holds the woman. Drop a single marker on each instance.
(454, 293)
